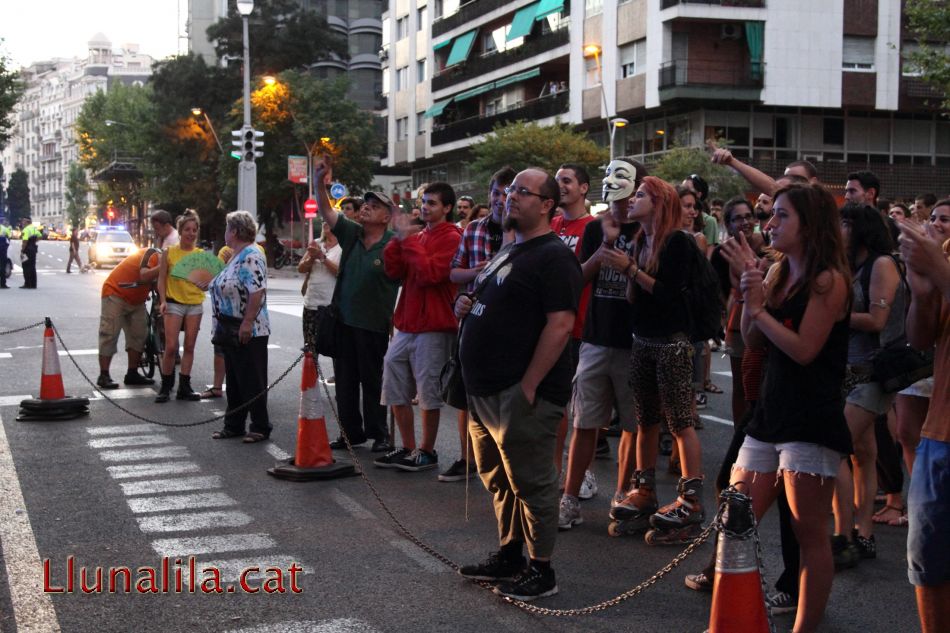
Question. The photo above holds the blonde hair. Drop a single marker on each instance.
(188, 216)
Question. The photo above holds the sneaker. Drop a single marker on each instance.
(844, 552)
(417, 460)
(389, 459)
(588, 486)
(603, 448)
(532, 583)
(339, 444)
(867, 547)
(104, 381)
(381, 446)
(457, 471)
(569, 513)
(781, 602)
(699, 582)
(701, 401)
(136, 380)
(496, 567)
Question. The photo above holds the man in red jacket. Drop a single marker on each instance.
(425, 324)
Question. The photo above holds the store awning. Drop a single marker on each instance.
(528, 74)
(437, 108)
(461, 48)
(547, 7)
(522, 22)
(475, 91)
(442, 44)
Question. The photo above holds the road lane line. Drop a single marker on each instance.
(180, 502)
(127, 471)
(129, 440)
(9, 401)
(339, 625)
(181, 484)
(352, 507)
(122, 394)
(713, 418)
(277, 452)
(141, 454)
(120, 429)
(32, 608)
(231, 569)
(421, 558)
(80, 352)
(6, 355)
(197, 545)
(723, 373)
(296, 311)
(191, 521)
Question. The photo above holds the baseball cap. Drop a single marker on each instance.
(379, 196)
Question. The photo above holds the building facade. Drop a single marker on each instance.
(44, 140)
(780, 80)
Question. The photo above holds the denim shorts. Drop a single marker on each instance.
(805, 458)
(871, 397)
(184, 309)
(928, 514)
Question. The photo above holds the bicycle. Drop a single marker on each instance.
(155, 326)
(286, 256)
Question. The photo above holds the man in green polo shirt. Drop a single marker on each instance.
(367, 298)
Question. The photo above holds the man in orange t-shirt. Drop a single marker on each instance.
(123, 310)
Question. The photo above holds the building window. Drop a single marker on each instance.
(402, 28)
(420, 70)
(591, 72)
(420, 123)
(593, 7)
(436, 9)
(422, 14)
(833, 131)
(858, 53)
(402, 78)
(402, 129)
(633, 58)
(908, 67)
(488, 44)
(494, 106)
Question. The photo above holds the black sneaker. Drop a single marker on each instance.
(867, 547)
(495, 568)
(457, 471)
(339, 444)
(104, 381)
(532, 583)
(844, 552)
(381, 446)
(781, 602)
(136, 380)
(603, 448)
(417, 460)
(388, 460)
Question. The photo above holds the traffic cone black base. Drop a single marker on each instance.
(292, 472)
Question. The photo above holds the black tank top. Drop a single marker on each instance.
(804, 403)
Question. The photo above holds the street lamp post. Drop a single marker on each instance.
(614, 124)
(593, 50)
(200, 112)
(247, 169)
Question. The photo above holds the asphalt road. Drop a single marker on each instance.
(113, 491)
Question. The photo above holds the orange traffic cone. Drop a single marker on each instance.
(52, 403)
(738, 603)
(314, 458)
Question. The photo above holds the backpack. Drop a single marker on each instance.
(703, 300)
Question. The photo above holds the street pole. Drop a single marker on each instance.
(247, 169)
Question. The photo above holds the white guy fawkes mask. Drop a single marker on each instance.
(620, 181)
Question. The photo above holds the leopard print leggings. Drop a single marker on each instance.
(660, 375)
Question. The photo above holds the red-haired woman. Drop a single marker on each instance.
(661, 367)
(800, 311)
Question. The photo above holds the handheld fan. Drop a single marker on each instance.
(199, 267)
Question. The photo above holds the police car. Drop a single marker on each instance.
(111, 245)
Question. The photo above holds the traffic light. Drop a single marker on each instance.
(248, 145)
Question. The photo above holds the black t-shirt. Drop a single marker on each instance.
(664, 312)
(495, 235)
(721, 266)
(501, 332)
(609, 314)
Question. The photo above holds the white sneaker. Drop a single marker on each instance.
(588, 486)
(569, 513)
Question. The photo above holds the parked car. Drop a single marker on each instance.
(110, 246)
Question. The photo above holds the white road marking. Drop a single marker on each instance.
(179, 484)
(340, 625)
(296, 311)
(7, 401)
(123, 394)
(277, 452)
(424, 560)
(128, 471)
(713, 418)
(230, 570)
(141, 454)
(180, 502)
(129, 440)
(350, 505)
(190, 521)
(32, 608)
(6, 355)
(272, 346)
(120, 429)
(59, 259)
(80, 352)
(723, 373)
(197, 545)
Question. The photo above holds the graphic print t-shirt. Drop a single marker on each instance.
(571, 233)
(609, 314)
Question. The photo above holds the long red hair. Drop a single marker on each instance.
(667, 218)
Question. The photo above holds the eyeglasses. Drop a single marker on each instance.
(523, 191)
(740, 219)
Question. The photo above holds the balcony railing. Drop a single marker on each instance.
(533, 110)
(465, 14)
(666, 4)
(478, 66)
(710, 74)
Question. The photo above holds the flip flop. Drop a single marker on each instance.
(225, 434)
(711, 388)
(901, 521)
(253, 438)
(211, 392)
(880, 516)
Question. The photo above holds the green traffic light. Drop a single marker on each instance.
(236, 155)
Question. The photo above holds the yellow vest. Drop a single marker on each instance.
(177, 289)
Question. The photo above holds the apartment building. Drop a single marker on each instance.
(825, 80)
(44, 141)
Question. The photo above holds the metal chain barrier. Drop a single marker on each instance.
(169, 424)
(525, 606)
(24, 328)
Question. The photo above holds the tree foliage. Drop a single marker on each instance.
(524, 145)
(680, 162)
(11, 89)
(18, 196)
(929, 20)
(77, 190)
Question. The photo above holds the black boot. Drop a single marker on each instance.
(166, 391)
(184, 389)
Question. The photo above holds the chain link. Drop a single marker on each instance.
(24, 328)
(169, 424)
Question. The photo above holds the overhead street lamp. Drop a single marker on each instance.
(614, 124)
(200, 112)
(247, 168)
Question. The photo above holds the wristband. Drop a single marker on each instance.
(608, 244)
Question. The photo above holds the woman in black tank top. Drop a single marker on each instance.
(798, 433)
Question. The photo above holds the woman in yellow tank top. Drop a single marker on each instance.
(181, 302)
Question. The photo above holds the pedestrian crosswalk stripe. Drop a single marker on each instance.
(6, 355)
(339, 625)
(123, 394)
(230, 570)
(140, 505)
(6, 401)
(197, 545)
(277, 452)
(129, 440)
(121, 429)
(129, 471)
(179, 484)
(141, 454)
(191, 521)
(713, 418)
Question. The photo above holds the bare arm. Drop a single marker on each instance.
(322, 174)
(550, 345)
(883, 288)
(759, 181)
(250, 313)
(162, 280)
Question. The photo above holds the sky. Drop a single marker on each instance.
(35, 30)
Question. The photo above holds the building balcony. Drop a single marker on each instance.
(701, 79)
(479, 66)
(44, 158)
(533, 110)
(666, 4)
(466, 13)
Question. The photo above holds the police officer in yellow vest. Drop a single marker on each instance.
(5, 236)
(28, 251)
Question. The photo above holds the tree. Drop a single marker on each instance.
(929, 20)
(680, 162)
(77, 190)
(11, 88)
(524, 145)
(18, 196)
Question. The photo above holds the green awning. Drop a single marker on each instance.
(522, 22)
(442, 44)
(547, 7)
(528, 74)
(437, 108)
(475, 91)
(461, 48)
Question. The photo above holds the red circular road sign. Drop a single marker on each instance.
(310, 208)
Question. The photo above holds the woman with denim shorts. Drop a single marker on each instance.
(800, 312)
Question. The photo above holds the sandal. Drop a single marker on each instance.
(252, 438)
(711, 388)
(211, 392)
(900, 521)
(886, 515)
(225, 434)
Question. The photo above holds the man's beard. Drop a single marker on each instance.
(510, 224)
